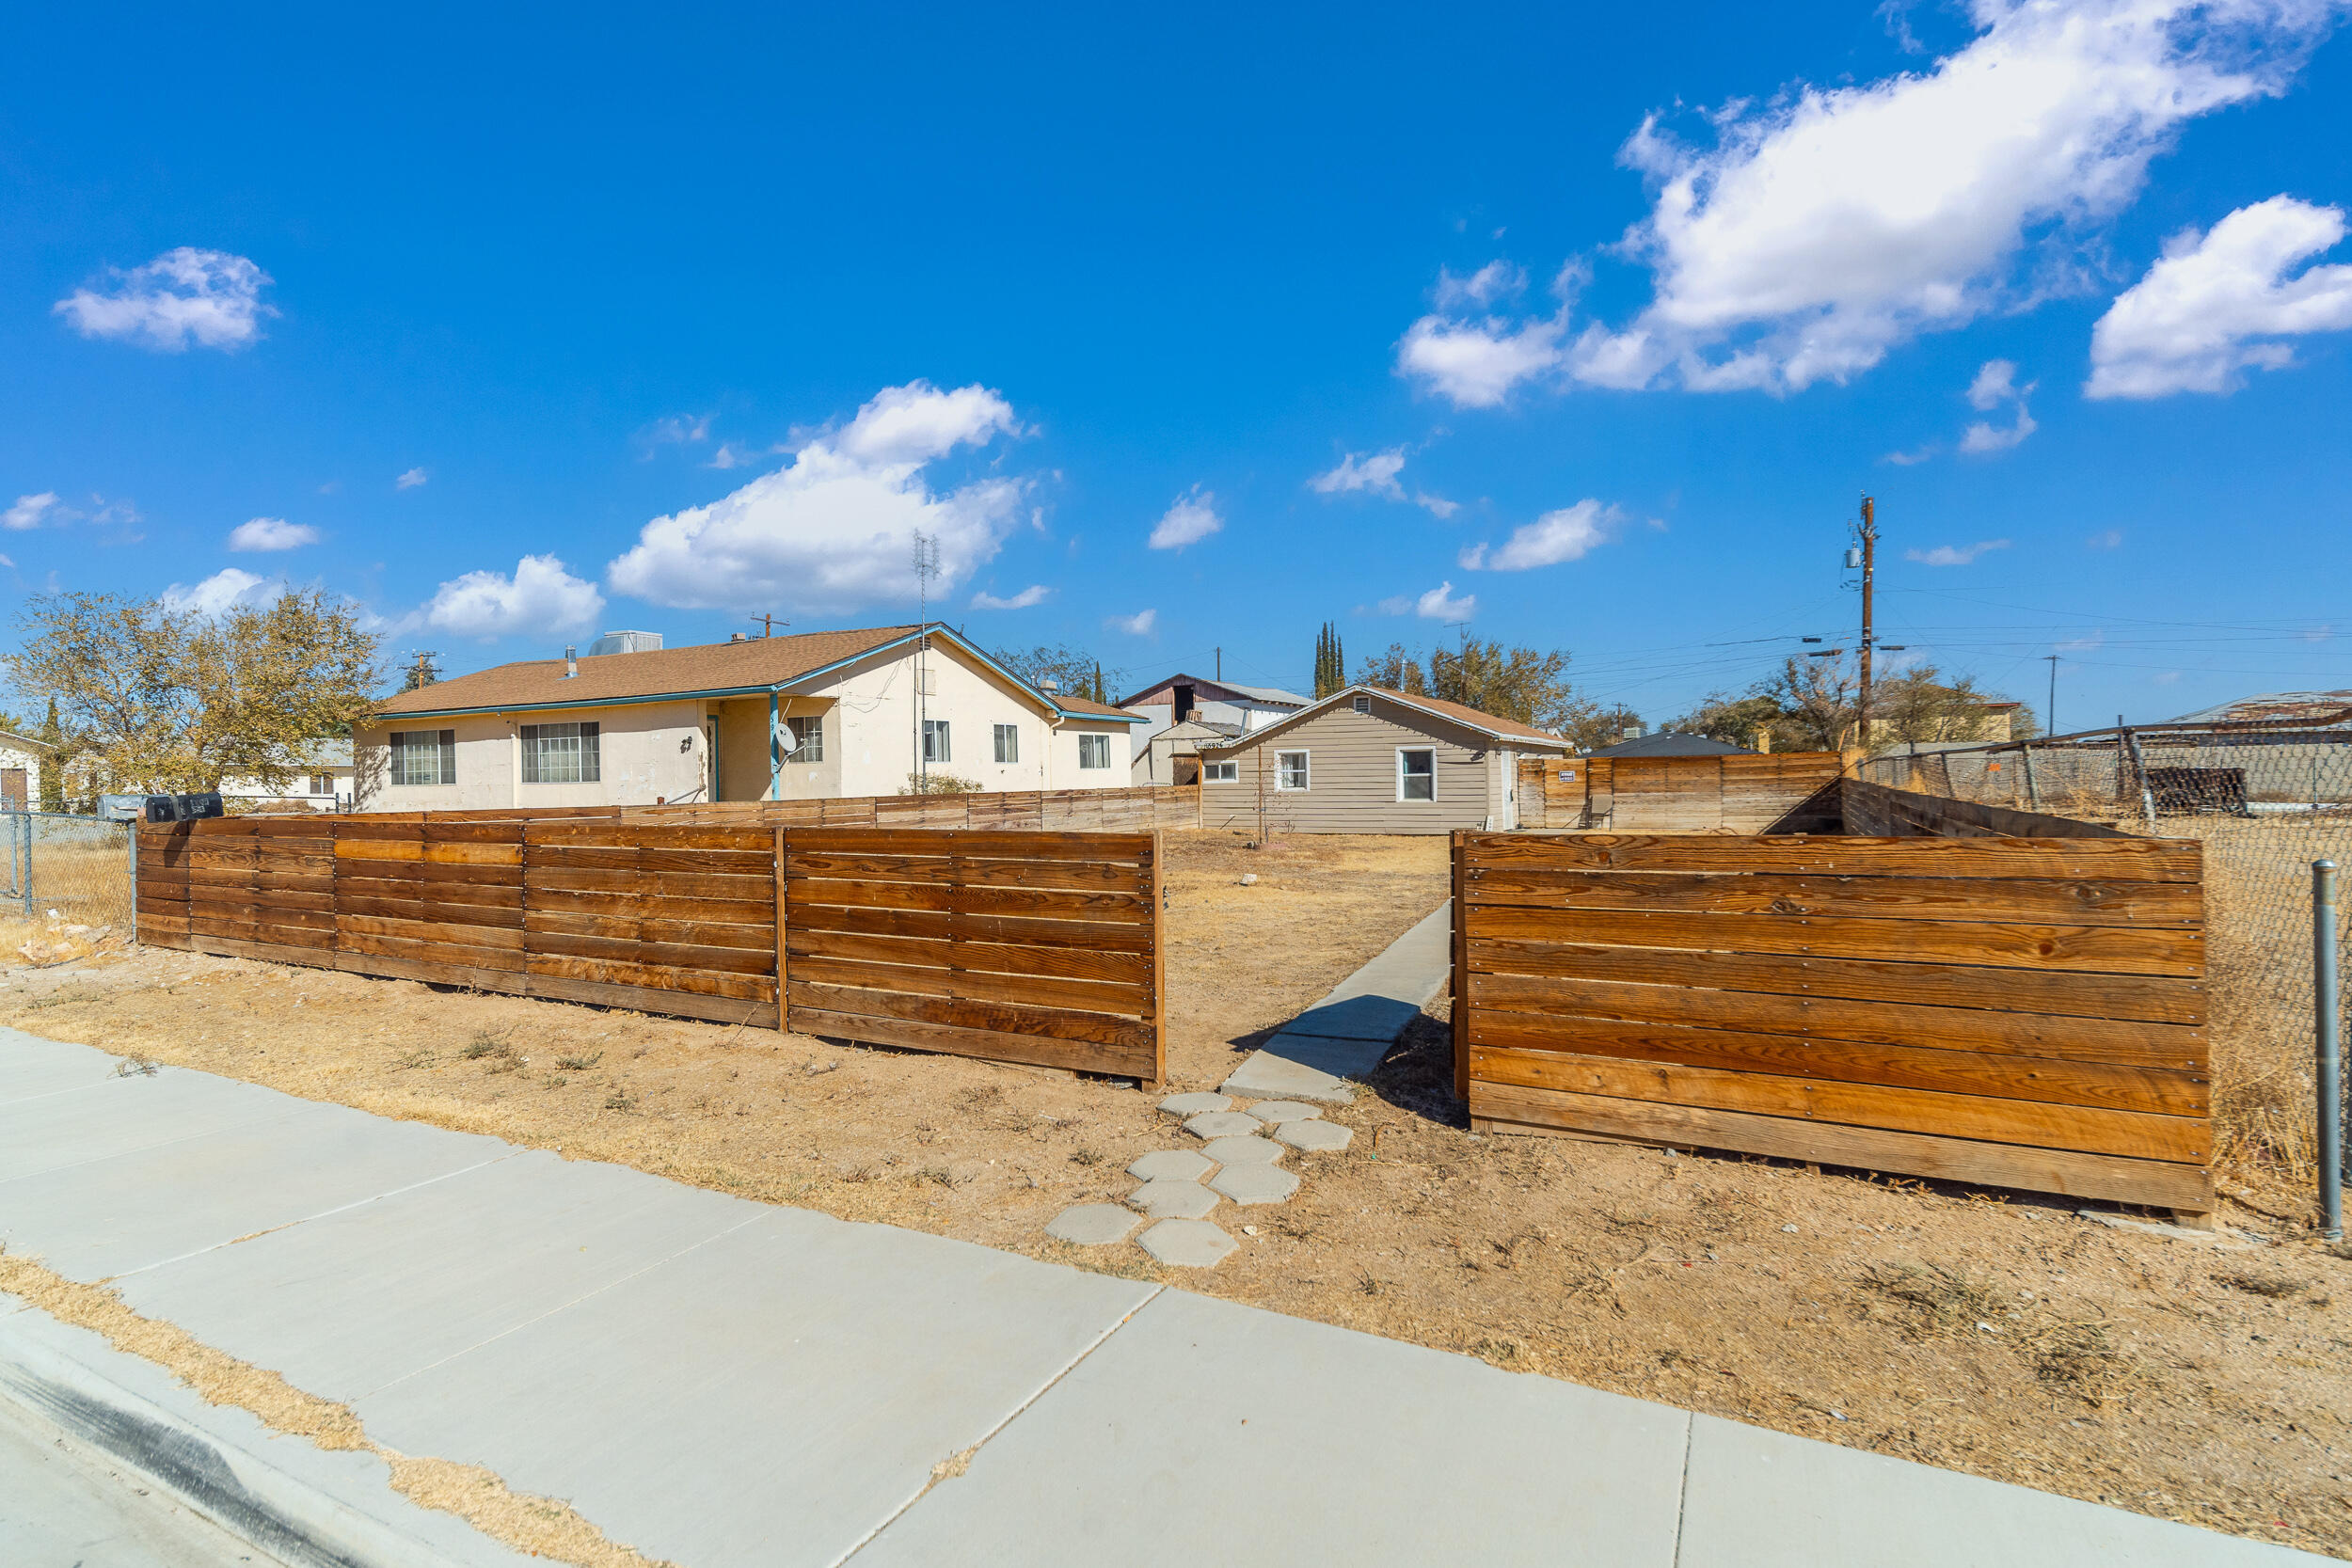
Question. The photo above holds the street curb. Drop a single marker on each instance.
(292, 1520)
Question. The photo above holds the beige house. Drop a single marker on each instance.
(819, 715)
(1368, 760)
(22, 758)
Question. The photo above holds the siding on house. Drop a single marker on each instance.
(1352, 773)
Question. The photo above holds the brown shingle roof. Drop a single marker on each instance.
(1502, 729)
(1083, 705)
(756, 662)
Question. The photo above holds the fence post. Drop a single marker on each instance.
(2139, 767)
(2033, 788)
(131, 834)
(784, 1006)
(25, 881)
(2329, 1049)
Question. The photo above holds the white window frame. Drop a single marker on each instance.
(444, 746)
(586, 753)
(1429, 752)
(1361, 705)
(1095, 744)
(1306, 772)
(1008, 745)
(938, 743)
(1220, 772)
(809, 737)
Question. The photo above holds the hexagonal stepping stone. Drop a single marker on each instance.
(1315, 1137)
(1255, 1183)
(1092, 1224)
(1276, 1112)
(1188, 1244)
(1171, 1165)
(1222, 1124)
(1182, 1105)
(1173, 1200)
(1243, 1151)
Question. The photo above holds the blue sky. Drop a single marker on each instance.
(1587, 325)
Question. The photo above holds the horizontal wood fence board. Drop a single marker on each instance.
(2059, 902)
(1072, 876)
(970, 1012)
(2117, 1042)
(2133, 1134)
(1060, 903)
(437, 910)
(2054, 1080)
(654, 904)
(760, 938)
(1132, 847)
(2075, 1174)
(359, 870)
(667, 954)
(433, 930)
(2145, 999)
(1076, 995)
(2099, 859)
(1938, 996)
(431, 854)
(1103, 936)
(1132, 1061)
(683, 883)
(459, 953)
(652, 976)
(2099, 949)
(1064, 963)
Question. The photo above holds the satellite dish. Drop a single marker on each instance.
(785, 740)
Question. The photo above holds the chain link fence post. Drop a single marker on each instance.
(2329, 1049)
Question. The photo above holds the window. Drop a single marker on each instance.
(1415, 774)
(1008, 743)
(1220, 772)
(1363, 704)
(563, 753)
(1290, 769)
(935, 741)
(322, 784)
(424, 756)
(808, 738)
(1094, 750)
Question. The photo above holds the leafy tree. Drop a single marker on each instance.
(1397, 670)
(1528, 685)
(1331, 661)
(1750, 722)
(936, 782)
(169, 700)
(1074, 672)
(1812, 705)
(52, 770)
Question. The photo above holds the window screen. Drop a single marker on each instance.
(1416, 775)
(424, 756)
(563, 753)
(1221, 773)
(808, 736)
(1290, 769)
(1363, 704)
(936, 740)
(1008, 743)
(1094, 750)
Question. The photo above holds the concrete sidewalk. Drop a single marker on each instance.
(1344, 1036)
(719, 1383)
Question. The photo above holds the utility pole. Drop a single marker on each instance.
(2049, 714)
(1866, 531)
(767, 625)
(1220, 667)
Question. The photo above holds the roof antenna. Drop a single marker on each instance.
(926, 568)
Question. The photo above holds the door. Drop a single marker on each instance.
(12, 789)
(710, 752)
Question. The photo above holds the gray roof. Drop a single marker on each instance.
(1672, 743)
(2270, 704)
(1267, 693)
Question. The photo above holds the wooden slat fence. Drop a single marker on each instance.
(1138, 809)
(1025, 947)
(1668, 794)
(1015, 946)
(2019, 1011)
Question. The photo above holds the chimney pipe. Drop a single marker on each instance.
(571, 661)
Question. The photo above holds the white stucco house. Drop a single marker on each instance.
(326, 778)
(22, 758)
(818, 715)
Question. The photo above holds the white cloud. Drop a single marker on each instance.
(2082, 644)
(1440, 605)
(1191, 518)
(1373, 472)
(1396, 603)
(1823, 227)
(1955, 555)
(225, 590)
(676, 430)
(10, 562)
(271, 534)
(2214, 305)
(729, 455)
(2165, 678)
(1138, 625)
(1033, 594)
(540, 597)
(1983, 437)
(2107, 540)
(835, 529)
(1566, 534)
(30, 511)
(1438, 506)
(1906, 459)
(411, 479)
(1475, 364)
(208, 296)
(1493, 281)
(1996, 384)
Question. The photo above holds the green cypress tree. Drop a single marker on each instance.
(53, 765)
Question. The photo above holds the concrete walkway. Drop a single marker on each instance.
(721, 1383)
(1344, 1036)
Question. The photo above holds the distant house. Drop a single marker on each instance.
(2317, 707)
(324, 780)
(1214, 702)
(820, 714)
(1368, 760)
(22, 758)
(1172, 755)
(1672, 743)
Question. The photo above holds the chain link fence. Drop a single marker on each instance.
(65, 871)
(2266, 801)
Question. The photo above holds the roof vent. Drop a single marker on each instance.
(1049, 684)
(625, 642)
(737, 637)
(571, 661)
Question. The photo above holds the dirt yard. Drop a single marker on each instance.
(2002, 1336)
